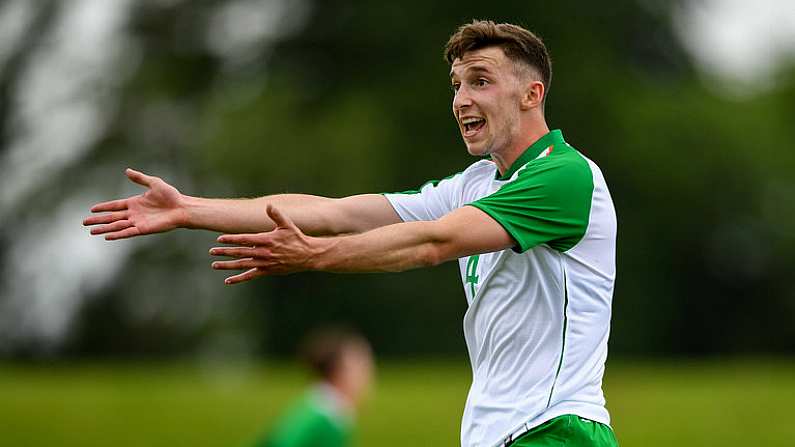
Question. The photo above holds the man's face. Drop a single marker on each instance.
(354, 372)
(487, 98)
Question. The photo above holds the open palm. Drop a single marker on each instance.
(156, 210)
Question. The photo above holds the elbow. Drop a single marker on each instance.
(438, 251)
(421, 256)
(432, 255)
(438, 247)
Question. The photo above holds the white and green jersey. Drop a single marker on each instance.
(539, 314)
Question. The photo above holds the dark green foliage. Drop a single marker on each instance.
(357, 99)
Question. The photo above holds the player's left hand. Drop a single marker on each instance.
(283, 250)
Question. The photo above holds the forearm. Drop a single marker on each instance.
(391, 248)
(314, 215)
(248, 215)
(163, 208)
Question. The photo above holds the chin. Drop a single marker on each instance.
(477, 151)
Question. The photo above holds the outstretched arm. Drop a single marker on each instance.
(397, 247)
(162, 208)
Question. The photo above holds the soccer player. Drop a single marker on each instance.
(342, 361)
(533, 229)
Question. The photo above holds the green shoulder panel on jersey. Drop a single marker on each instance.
(307, 425)
(548, 202)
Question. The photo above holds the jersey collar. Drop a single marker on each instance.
(552, 138)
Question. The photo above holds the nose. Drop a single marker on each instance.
(461, 100)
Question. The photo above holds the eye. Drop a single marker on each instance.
(482, 82)
(455, 86)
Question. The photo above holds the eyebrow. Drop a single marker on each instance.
(476, 69)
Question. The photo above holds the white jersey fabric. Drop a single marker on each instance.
(539, 314)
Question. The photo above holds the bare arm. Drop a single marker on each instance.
(163, 208)
(314, 215)
(397, 247)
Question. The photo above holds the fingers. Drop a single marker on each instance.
(238, 264)
(245, 276)
(256, 268)
(121, 204)
(116, 225)
(123, 234)
(109, 228)
(234, 252)
(243, 239)
(105, 218)
(278, 218)
(139, 177)
(113, 205)
(254, 259)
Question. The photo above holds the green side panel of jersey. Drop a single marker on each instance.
(306, 425)
(549, 202)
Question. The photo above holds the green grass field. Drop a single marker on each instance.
(675, 403)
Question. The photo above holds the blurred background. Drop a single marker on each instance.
(688, 106)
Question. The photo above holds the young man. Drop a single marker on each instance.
(342, 363)
(533, 229)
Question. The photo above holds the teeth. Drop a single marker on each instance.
(471, 120)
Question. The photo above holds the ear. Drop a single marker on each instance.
(533, 95)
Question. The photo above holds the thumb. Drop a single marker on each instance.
(279, 219)
(139, 177)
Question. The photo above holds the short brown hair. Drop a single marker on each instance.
(518, 44)
(323, 348)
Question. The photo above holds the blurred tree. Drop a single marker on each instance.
(347, 97)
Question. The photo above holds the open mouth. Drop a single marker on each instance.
(472, 126)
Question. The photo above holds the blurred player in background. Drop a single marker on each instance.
(531, 224)
(342, 364)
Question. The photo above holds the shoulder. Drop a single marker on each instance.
(476, 169)
(480, 167)
(306, 420)
(484, 164)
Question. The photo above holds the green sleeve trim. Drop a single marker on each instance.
(548, 202)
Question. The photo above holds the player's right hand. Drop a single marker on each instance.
(156, 210)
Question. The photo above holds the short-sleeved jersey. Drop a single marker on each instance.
(319, 419)
(539, 314)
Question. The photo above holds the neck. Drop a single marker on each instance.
(346, 395)
(528, 134)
